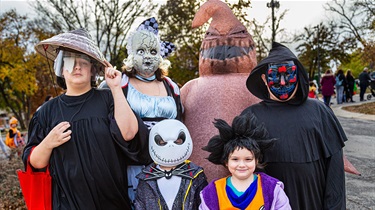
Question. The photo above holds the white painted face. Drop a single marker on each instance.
(146, 48)
(170, 143)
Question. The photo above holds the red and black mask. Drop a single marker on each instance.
(282, 79)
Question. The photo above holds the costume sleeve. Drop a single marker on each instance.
(209, 199)
(11, 134)
(36, 134)
(141, 196)
(334, 195)
(280, 199)
(136, 149)
(201, 183)
(203, 205)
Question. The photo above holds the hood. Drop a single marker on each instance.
(278, 53)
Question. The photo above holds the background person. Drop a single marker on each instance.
(340, 86)
(350, 90)
(3, 148)
(328, 82)
(14, 139)
(312, 90)
(364, 81)
(308, 155)
(317, 88)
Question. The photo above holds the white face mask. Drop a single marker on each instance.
(170, 143)
(66, 60)
(146, 49)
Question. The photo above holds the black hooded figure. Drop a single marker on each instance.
(308, 156)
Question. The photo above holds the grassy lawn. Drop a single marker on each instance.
(367, 108)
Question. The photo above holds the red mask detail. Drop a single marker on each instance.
(282, 69)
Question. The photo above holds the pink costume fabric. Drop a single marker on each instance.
(226, 59)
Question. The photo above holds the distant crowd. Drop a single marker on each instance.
(343, 85)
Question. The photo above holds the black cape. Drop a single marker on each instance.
(307, 156)
(88, 171)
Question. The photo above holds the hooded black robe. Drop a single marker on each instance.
(88, 171)
(308, 156)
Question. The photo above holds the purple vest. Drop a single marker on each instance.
(268, 186)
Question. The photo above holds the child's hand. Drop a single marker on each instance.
(112, 76)
(58, 135)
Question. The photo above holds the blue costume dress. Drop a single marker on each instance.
(151, 109)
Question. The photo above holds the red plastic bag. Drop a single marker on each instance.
(36, 188)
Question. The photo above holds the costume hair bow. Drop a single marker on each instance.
(166, 48)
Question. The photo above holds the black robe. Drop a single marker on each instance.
(88, 171)
(307, 156)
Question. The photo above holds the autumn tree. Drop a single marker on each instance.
(368, 55)
(175, 18)
(357, 20)
(45, 76)
(355, 63)
(321, 45)
(109, 20)
(17, 66)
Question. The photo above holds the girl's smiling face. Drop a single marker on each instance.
(241, 164)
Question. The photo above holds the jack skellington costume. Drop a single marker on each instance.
(172, 181)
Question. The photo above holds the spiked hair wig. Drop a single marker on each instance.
(244, 133)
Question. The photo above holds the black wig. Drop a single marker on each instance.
(245, 132)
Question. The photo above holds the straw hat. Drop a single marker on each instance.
(79, 40)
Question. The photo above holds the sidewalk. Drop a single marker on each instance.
(337, 109)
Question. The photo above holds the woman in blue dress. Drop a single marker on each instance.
(150, 93)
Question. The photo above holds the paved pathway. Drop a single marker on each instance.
(359, 149)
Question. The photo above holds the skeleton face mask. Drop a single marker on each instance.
(146, 49)
(170, 143)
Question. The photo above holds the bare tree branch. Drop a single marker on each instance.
(109, 20)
